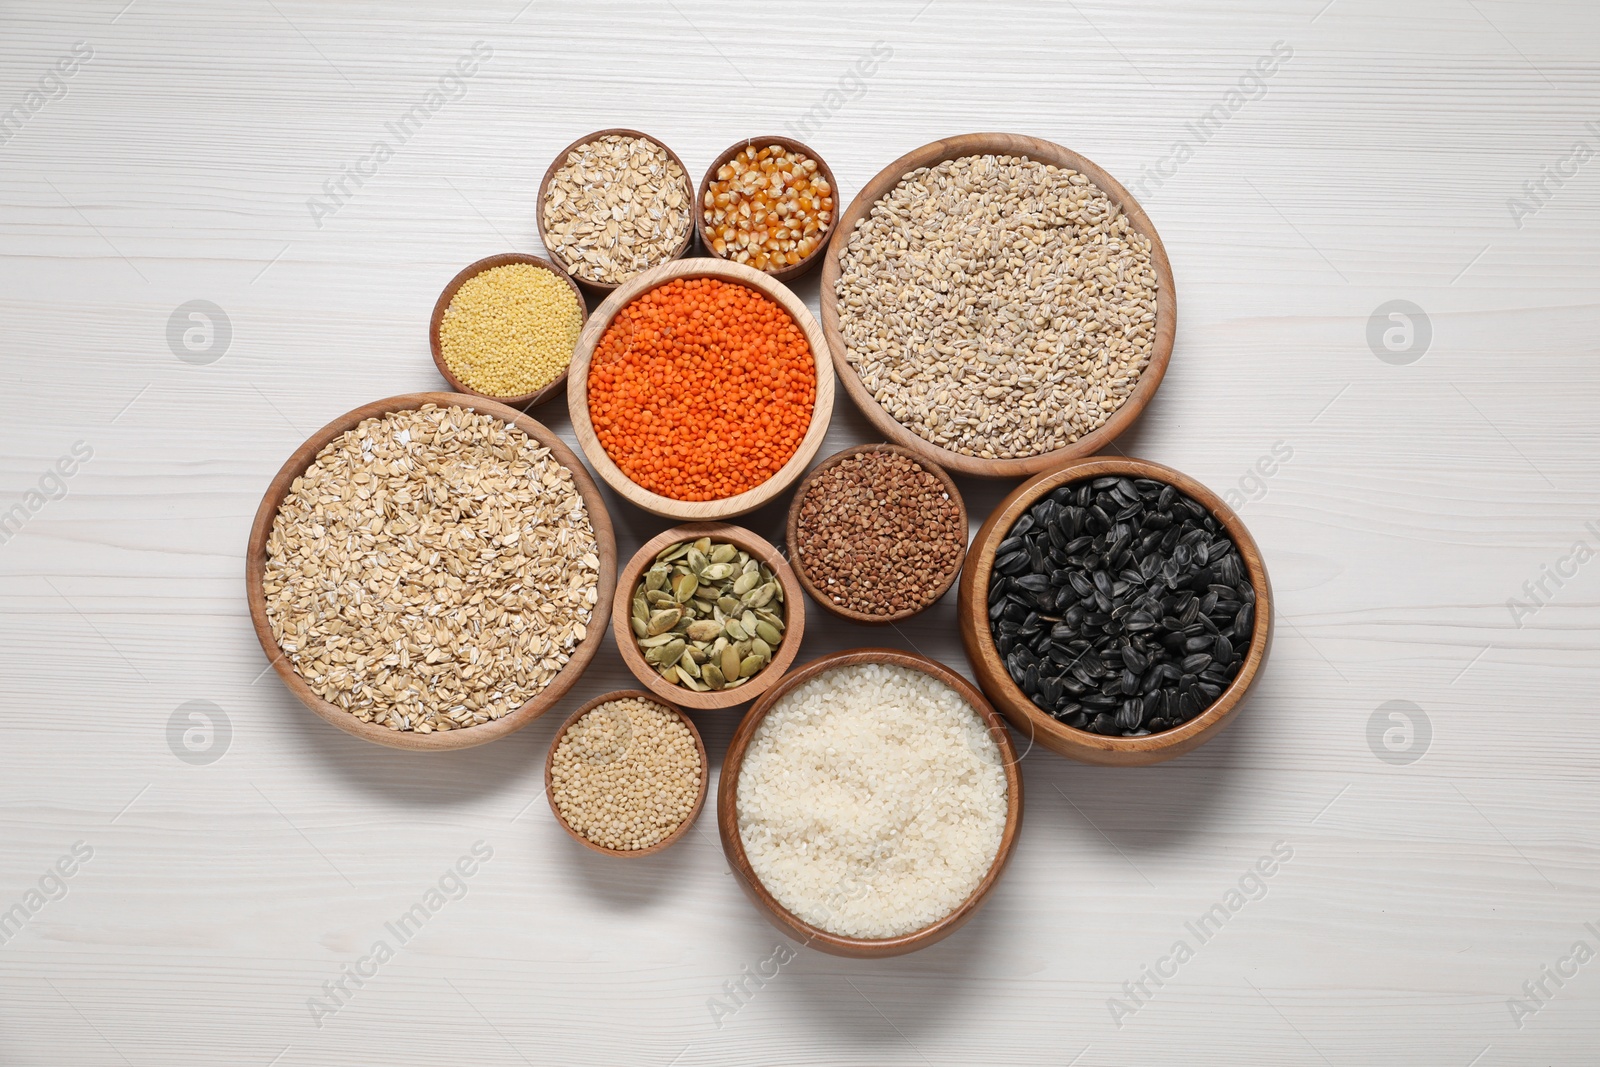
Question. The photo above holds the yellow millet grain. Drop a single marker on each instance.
(511, 330)
(626, 775)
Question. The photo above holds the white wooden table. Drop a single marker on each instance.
(1444, 850)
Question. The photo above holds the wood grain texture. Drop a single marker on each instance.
(444, 740)
(688, 821)
(1024, 715)
(794, 614)
(1039, 150)
(466, 274)
(792, 535)
(1375, 164)
(810, 261)
(698, 510)
(809, 934)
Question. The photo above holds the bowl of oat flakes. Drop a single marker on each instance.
(998, 303)
(613, 204)
(431, 571)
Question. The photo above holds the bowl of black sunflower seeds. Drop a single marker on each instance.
(1115, 611)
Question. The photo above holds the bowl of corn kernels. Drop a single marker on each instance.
(769, 203)
(505, 328)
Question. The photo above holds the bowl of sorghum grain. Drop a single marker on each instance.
(708, 615)
(700, 389)
(998, 303)
(870, 802)
(769, 203)
(614, 204)
(1115, 610)
(626, 774)
(431, 571)
(505, 328)
(877, 533)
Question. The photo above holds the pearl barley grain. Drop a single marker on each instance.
(510, 330)
(626, 775)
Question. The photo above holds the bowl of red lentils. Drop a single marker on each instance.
(505, 328)
(701, 389)
(877, 533)
(769, 203)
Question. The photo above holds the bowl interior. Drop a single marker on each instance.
(466, 274)
(733, 843)
(560, 160)
(794, 616)
(695, 510)
(798, 558)
(688, 821)
(255, 570)
(792, 145)
(1031, 720)
(1041, 151)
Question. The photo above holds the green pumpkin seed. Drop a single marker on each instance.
(768, 632)
(746, 582)
(729, 605)
(660, 598)
(717, 572)
(669, 673)
(667, 555)
(760, 596)
(697, 560)
(730, 663)
(655, 579)
(750, 665)
(701, 617)
(640, 627)
(736, 683)
(703, 545)
(735, 630)
(697, 654)
(684, 586)
(724, 553)
(658, 641)
(711, 674)
(687, 665)
(662, 621)
(692, 683)
(704, 630)
(759, 647)
(641, 609)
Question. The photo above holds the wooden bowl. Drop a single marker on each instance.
(788, 273)
(628, 644)
(1025, 716)
(472, 270)
(561, 159)
(787, 921)
(688, 821)
(792, 534)
(256, 561)
(974, 144)
(698, 510)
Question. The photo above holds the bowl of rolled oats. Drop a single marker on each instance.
(998, 303)
(612, 205)
(431, 571)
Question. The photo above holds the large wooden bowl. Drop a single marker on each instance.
(1028, 718)
(256, 561)
(560, 160)
(759, 548)
(470, 271)
(698, 510)
(792, 534)
(783, 918)
(788, 273)
(688, 821)
(975, 144)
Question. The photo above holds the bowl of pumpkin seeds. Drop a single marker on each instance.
(708, 615)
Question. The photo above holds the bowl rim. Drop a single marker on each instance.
(555, 165)
(699, 510)
(1043, 151)
(467, 737)
(739, 861)
(1026, 717)
(688, 820)
(797, 558)
(793, 145)
(448, 295)
(748, 540)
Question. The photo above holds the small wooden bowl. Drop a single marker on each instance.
(783, 918)
(256, 563)
(1025, 716)
(472, 270)
(793, 534)
(628, 644)
(688, 821)
(561, 159)
(788, 273)
(698, 510)
(977, 144)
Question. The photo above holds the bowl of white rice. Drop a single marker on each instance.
(869, 802)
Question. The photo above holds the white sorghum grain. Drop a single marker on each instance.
(872, 800)
(997, 306)
(432, 569)
(626, 774)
